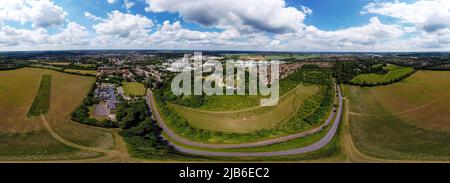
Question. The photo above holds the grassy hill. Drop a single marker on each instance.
(406, 120)
(250, 120)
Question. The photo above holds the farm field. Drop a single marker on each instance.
(405, 120)
(59, 63)
(394, 73)
(247, 120)
(47, 67)
(133, 88)
(41, 102)
(77, 71)
(86, 65)
(26, 138)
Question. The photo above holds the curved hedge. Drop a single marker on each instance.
(391, 77)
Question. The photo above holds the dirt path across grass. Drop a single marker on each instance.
(119, 154)
(354, 155)
(405, 111)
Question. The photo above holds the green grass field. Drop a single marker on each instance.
(77, 71)
(405, 120)
(394, 73)
(25, 138)
(231, 102)
(54, 67)
(133, 88)
(41, 102)
(247, 120)
(239, 102)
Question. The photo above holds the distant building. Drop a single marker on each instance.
(111, 103)
(105, 92)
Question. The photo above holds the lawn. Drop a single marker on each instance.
(133, 88)
(25, 138)
(395, 73)
(406, 120)
(247, 120)
(41, 102)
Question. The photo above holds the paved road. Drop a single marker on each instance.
(313, 147)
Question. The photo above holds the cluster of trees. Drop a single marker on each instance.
(131, 114)
(315, 108)
(344, 72)
(11, 65)
(139, 130)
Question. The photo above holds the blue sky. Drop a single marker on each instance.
(290, 25)
(328, 14)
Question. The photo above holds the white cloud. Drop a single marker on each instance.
(366, 37)
(123, 25)
(427, 15)
(111, 1)
(246, 15)
(247, 25)
(92, 17)
(41, 13)
(11, 37)
(73, 35)
(128, 4)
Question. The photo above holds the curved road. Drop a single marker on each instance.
(313, 147)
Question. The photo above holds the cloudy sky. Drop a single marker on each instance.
(279, 25)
